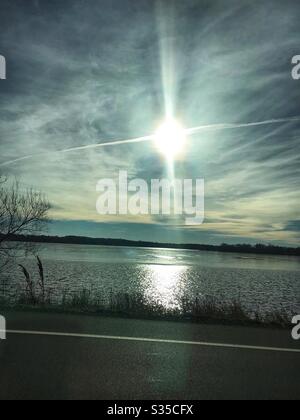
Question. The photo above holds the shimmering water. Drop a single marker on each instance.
(259, 282)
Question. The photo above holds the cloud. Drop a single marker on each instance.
(80, 74)
(293, 226)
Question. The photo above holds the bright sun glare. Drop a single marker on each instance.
(170, 138)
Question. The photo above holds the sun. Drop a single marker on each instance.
(170, 138)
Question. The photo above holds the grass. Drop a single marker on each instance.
(205, 310)
(200, 310)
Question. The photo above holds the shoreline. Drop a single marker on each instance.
(275, 321)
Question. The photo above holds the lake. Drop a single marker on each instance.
(263, 283)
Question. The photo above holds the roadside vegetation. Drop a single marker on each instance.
(23, 211)
(36, 295)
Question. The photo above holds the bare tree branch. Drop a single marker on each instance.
(22, 212)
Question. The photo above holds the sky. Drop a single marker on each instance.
(85, 72)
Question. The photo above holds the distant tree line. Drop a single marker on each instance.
(79, 240)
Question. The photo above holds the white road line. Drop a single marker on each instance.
(153, 340)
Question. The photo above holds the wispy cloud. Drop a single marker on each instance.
(84, 73)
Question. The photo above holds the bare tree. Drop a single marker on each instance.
(22, 212)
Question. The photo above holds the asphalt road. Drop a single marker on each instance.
(195, 363)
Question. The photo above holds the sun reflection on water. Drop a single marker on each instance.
(165, 283)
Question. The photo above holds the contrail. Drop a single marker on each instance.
(189, 132)
(111, 143)
(217, 127)
(76, 149)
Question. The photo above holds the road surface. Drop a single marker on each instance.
(48, 356)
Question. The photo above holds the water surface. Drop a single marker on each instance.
(264, 283)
